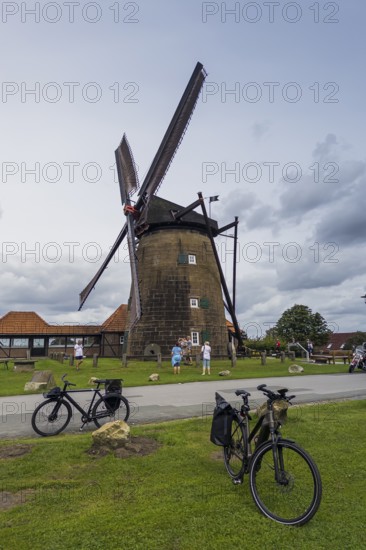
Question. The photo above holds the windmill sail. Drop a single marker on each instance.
(174, 134)
(126, 169)
(159, 167)
(89, 287)
(128, 182)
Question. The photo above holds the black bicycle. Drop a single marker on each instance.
(284, 480)
(53, 415)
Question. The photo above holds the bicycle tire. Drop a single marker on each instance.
(296, 498)
(105, 409)
(51, 417)
(236, 453)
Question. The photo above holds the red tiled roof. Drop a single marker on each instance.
(29, 322)
(22, 322)
(337, 339)
(117, 321)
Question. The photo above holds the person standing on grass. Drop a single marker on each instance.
(78, 353)
(176, 358)
(206, 357)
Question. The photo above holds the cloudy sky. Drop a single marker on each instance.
(277, 133)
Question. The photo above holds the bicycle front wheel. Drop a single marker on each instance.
(51, 417)
(294, 497)
(235, 454)
(109, 408)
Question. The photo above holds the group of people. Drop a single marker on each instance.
(183, 350)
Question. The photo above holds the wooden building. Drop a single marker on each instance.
(26, 334)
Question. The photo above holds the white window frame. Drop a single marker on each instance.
(192, 259)
(194, 302)
(122, 339)
(195, 337)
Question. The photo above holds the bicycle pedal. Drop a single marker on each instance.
(237, 481)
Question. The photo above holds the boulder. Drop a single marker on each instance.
(154, 377)
(224, 373)
(35, 386)
(41, 380)
(112, 435)
(295, 368)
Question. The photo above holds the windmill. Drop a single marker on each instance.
(177, 281)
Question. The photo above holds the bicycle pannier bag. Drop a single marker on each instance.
(221, 422)
(113, 386)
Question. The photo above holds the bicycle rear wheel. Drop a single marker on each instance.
(236, 453)
(109, 408)
(51, 417)
(294, 498)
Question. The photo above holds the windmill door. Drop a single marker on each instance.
(38, 347)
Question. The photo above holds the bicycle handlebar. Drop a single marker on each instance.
(281, 394)
(66, 382)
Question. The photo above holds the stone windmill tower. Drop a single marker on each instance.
(177, 282)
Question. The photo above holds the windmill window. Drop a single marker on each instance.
(204, 303)
(195, 338)
(194, 302)
(192, 259)
(182, 258)
(122, 339)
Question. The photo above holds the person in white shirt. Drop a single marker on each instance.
(78, 353)
(206, 356)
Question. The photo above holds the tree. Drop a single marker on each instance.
(356, 340)
(299, 323)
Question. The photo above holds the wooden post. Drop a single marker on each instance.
(233, 360)
(124, 360)
(263, 358)
(159, 360)
(95, 360)
(198, 359)
(71, 360)
(282, 355)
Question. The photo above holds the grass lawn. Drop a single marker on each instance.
(137, 373)
(180, 496)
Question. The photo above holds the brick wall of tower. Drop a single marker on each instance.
(166, 287)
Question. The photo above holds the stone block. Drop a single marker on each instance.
(112, 435)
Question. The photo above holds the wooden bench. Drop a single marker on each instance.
(345, 358)
(322, 358)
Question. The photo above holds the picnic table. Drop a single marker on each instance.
(26, 364)
(323, 358)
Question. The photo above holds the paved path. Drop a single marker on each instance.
(174, 401)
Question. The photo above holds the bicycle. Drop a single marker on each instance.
(285, 482)
(53, 415)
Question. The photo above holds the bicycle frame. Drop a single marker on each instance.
(85, 414)
(271, 429)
